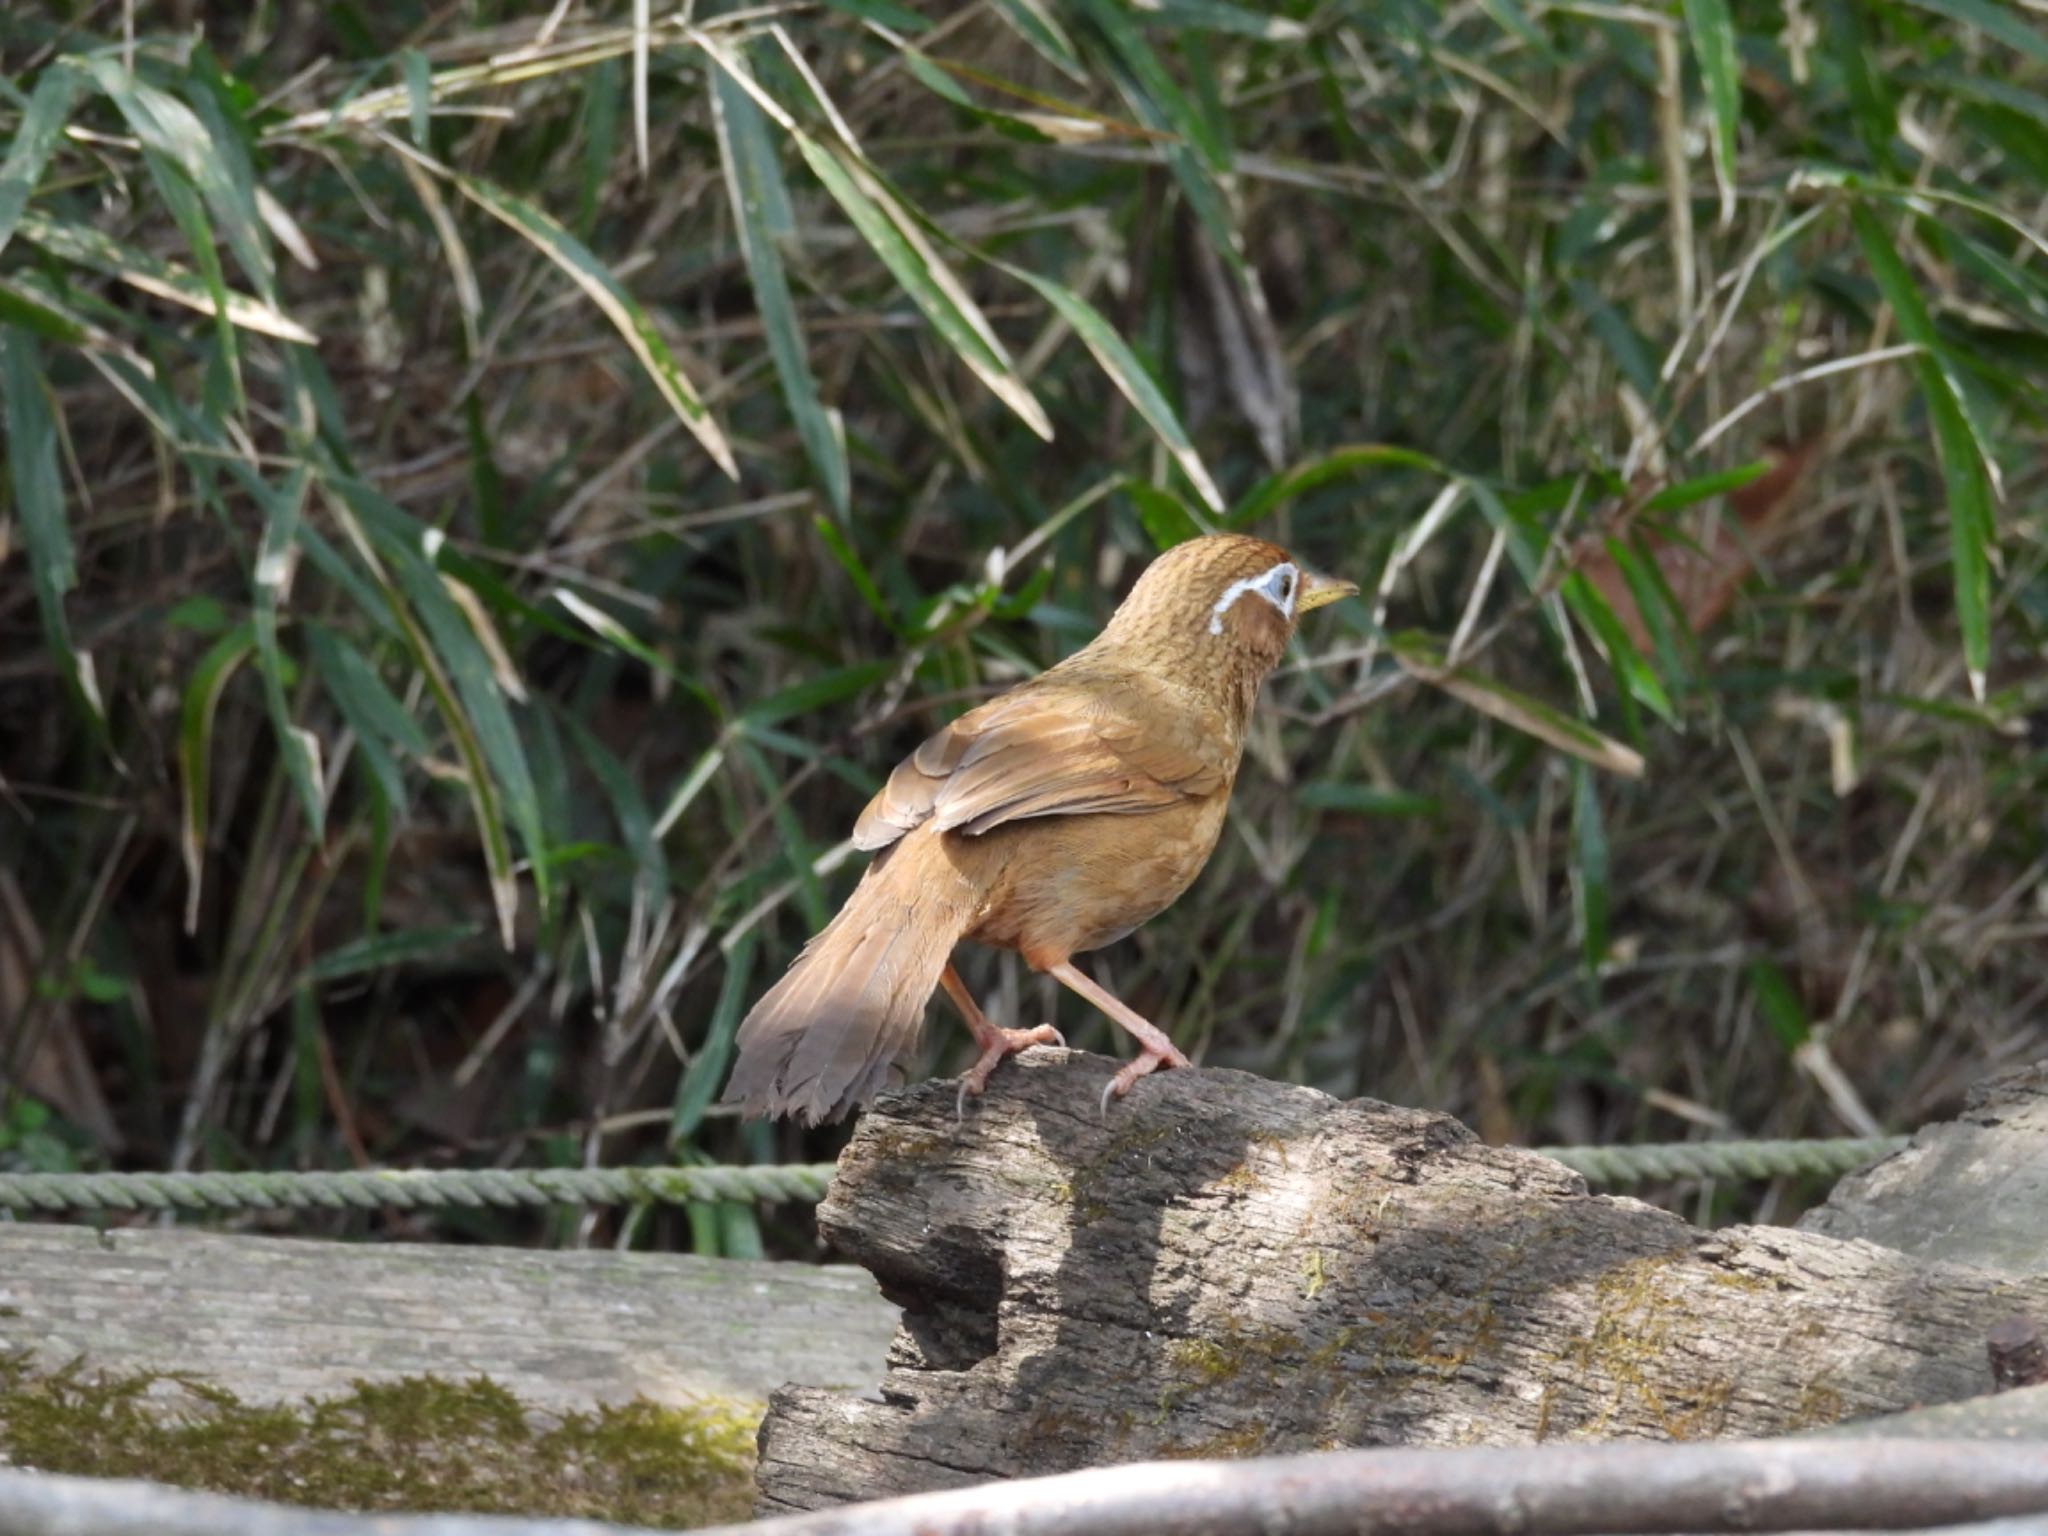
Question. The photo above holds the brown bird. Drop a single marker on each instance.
(1052, 820)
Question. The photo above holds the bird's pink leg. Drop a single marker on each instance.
(995, 1043)
(1154, 1049)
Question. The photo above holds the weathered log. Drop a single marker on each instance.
(277, 1319)
(1972, 1190)
(1225, 1266)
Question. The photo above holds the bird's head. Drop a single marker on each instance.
(1229, 599)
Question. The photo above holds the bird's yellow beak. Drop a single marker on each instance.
(1318, 590)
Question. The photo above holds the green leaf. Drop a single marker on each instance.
(419, 91)
(573, 257)
(1589, 868)
(1275, 491)
(760, 206)
(1038, 24)
(463, 687)
(629, 810)
(1196, 151)
(1423, 656)
(707, 1067)
(895, 234)
(1593, 611)
(371, 709)
(1365, 799)
(382, 951)
(1994, 19)
(1129, 375)
(1712, 30)
(1630, 353)
(924, 277)
(164, 280)
(1702, 487)
(176, 143)
(816, 693)
(1779, 1004)
(1662, 614)
(36, 138)
(275, 556)
(1972, 527)
(898, 18)
(1166, 518)
(856, 569)
(195, 753)
(1220, 16)
(38, 486)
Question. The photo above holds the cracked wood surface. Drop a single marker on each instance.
(274, 1319)
(1227, 1266)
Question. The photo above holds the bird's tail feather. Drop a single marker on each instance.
(823, 1039)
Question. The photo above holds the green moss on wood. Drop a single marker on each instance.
(419, 1443)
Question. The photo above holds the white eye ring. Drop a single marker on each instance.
(1276, 586)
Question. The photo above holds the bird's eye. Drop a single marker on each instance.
(1287, 586)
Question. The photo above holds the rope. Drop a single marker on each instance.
(418, 1189)
(409, 1189)
(1724, 1159)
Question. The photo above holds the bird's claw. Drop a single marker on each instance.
(1147, 1061)
(995, 1045)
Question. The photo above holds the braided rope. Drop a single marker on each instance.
(417, 1189)
(409, 1189)
(1724, 1159)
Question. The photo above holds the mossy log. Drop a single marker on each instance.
(278, 1319)
(1226, 1266)
(419, 1377)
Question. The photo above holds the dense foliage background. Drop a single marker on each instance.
(491, 489)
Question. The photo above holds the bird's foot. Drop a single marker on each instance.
(995, 1045)
(1147, 1061)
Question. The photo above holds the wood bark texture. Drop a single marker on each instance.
(1972, 1190)
(1227, 1266)
(275, 1319)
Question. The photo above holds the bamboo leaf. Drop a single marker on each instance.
(1700, 488)
(629, 810)
(1038, 25)
(760, 207)
(1589, 872)
(1275, 491)
(1165, 516)
(38, 487)
(1130, 376)
(370, 709)
(1197, 152)
(1628, 663)
(1995, 19)
(36, 138)
(573, 257)
(816, 693)
(1423, 657)
(195, 753)
(893, 231)
(1972, 527)
(276, 558)
(707, 1069)
(1712, 30)
(165, 280)
(409, 597)
(384, 951)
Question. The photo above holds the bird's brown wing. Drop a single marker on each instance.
(1063, 750)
